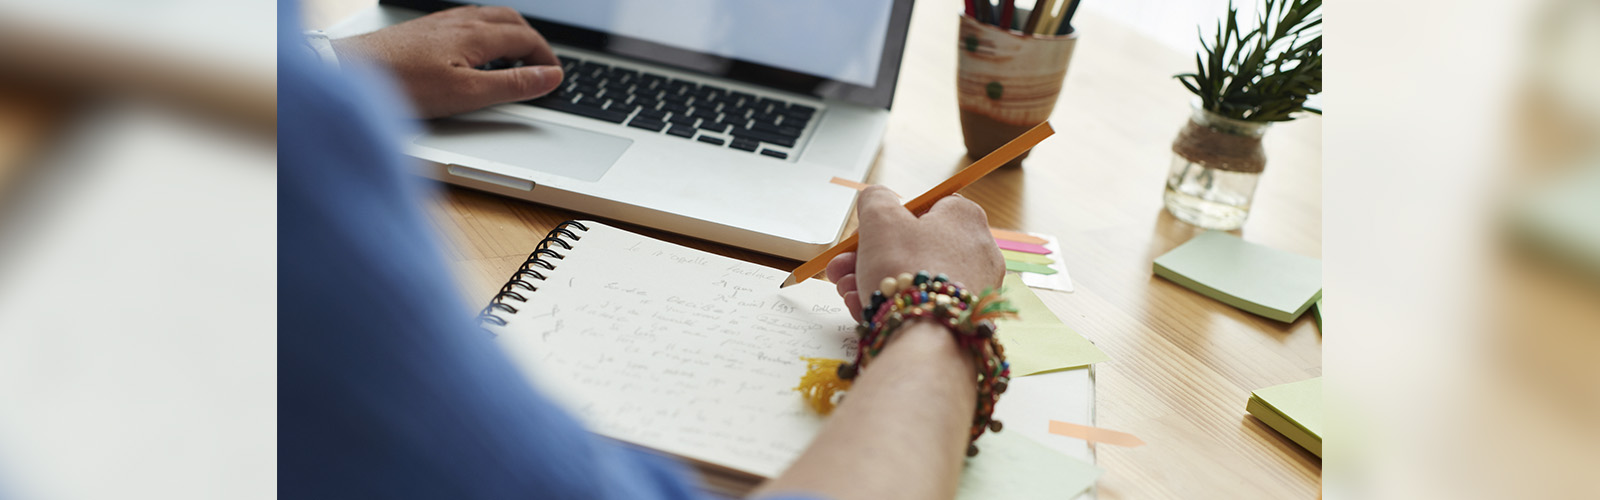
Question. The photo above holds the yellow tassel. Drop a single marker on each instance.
(821, 382)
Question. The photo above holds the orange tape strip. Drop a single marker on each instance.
(1018, 237)
(1094, 434)
(855, 185)
(848, 183)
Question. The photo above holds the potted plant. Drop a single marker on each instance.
(1244, 81)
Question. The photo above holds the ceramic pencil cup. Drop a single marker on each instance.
(1006, 82)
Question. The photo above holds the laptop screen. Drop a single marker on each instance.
(834, 39)
(842, 49)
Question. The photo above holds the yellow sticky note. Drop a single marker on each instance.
(1031, 258)
(1033, 349)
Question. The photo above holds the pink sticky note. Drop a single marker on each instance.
(1021, 247)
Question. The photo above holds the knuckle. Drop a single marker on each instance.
(974, 209)
(524, 82)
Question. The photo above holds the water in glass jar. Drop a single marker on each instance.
(1208, 197)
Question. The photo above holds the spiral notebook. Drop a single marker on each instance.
(690, 353)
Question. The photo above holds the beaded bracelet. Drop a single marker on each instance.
(904, 298)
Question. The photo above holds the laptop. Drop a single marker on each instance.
(719, 119)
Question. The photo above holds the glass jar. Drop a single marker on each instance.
(1216, 163)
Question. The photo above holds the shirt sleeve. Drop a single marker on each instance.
(386, 387)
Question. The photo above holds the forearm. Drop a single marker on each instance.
(901, 432)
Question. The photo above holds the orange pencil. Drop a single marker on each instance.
(922, 203)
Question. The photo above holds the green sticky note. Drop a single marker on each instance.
(1013, 467)
(1037, 341)
(1261, 280)
(1013, 255)
(1561, 218)
(1318, 312)
(1294, 410)
(1030, 310)
(1028, 267)
(1036, 348)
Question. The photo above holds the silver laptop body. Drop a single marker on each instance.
(701, 144)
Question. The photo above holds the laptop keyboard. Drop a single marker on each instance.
(706, 114)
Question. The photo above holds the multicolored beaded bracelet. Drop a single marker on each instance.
(907, 297)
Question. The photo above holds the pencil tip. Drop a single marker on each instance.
(788, 281)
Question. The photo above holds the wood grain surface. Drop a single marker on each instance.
(1182, 365)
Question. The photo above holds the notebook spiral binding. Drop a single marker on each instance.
(530, 270)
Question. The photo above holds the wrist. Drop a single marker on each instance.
(349, 48)
(933, 344)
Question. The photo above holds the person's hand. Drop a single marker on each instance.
(434, 57)
(952, 238)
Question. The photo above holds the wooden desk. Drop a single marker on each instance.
(1182, 365)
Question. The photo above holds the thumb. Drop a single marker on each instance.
(517, 84)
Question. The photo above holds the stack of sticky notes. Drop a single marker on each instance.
(1294, 410)
(1035, 256)
(1261, 280)
(1037, 341)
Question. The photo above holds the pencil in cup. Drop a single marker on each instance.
(1007, 82)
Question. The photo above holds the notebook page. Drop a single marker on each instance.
(679, 350)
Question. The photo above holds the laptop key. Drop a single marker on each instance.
(745, 144)
(569, 107)
(764, 117)
(653, 114)
(650, 124)
(682, 119)
(775, 154)
(683, 131)
(713, 126)
(772, 129)
(767, 137)
(711, 140)
(683, 87)
(650, 81)
(703, 113)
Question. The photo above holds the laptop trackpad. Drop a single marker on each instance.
(526, 143)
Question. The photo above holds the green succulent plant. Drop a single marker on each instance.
(1266, 73)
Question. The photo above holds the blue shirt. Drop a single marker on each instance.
(386, 387)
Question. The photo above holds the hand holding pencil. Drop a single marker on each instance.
(951, 238)
(924, 203)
